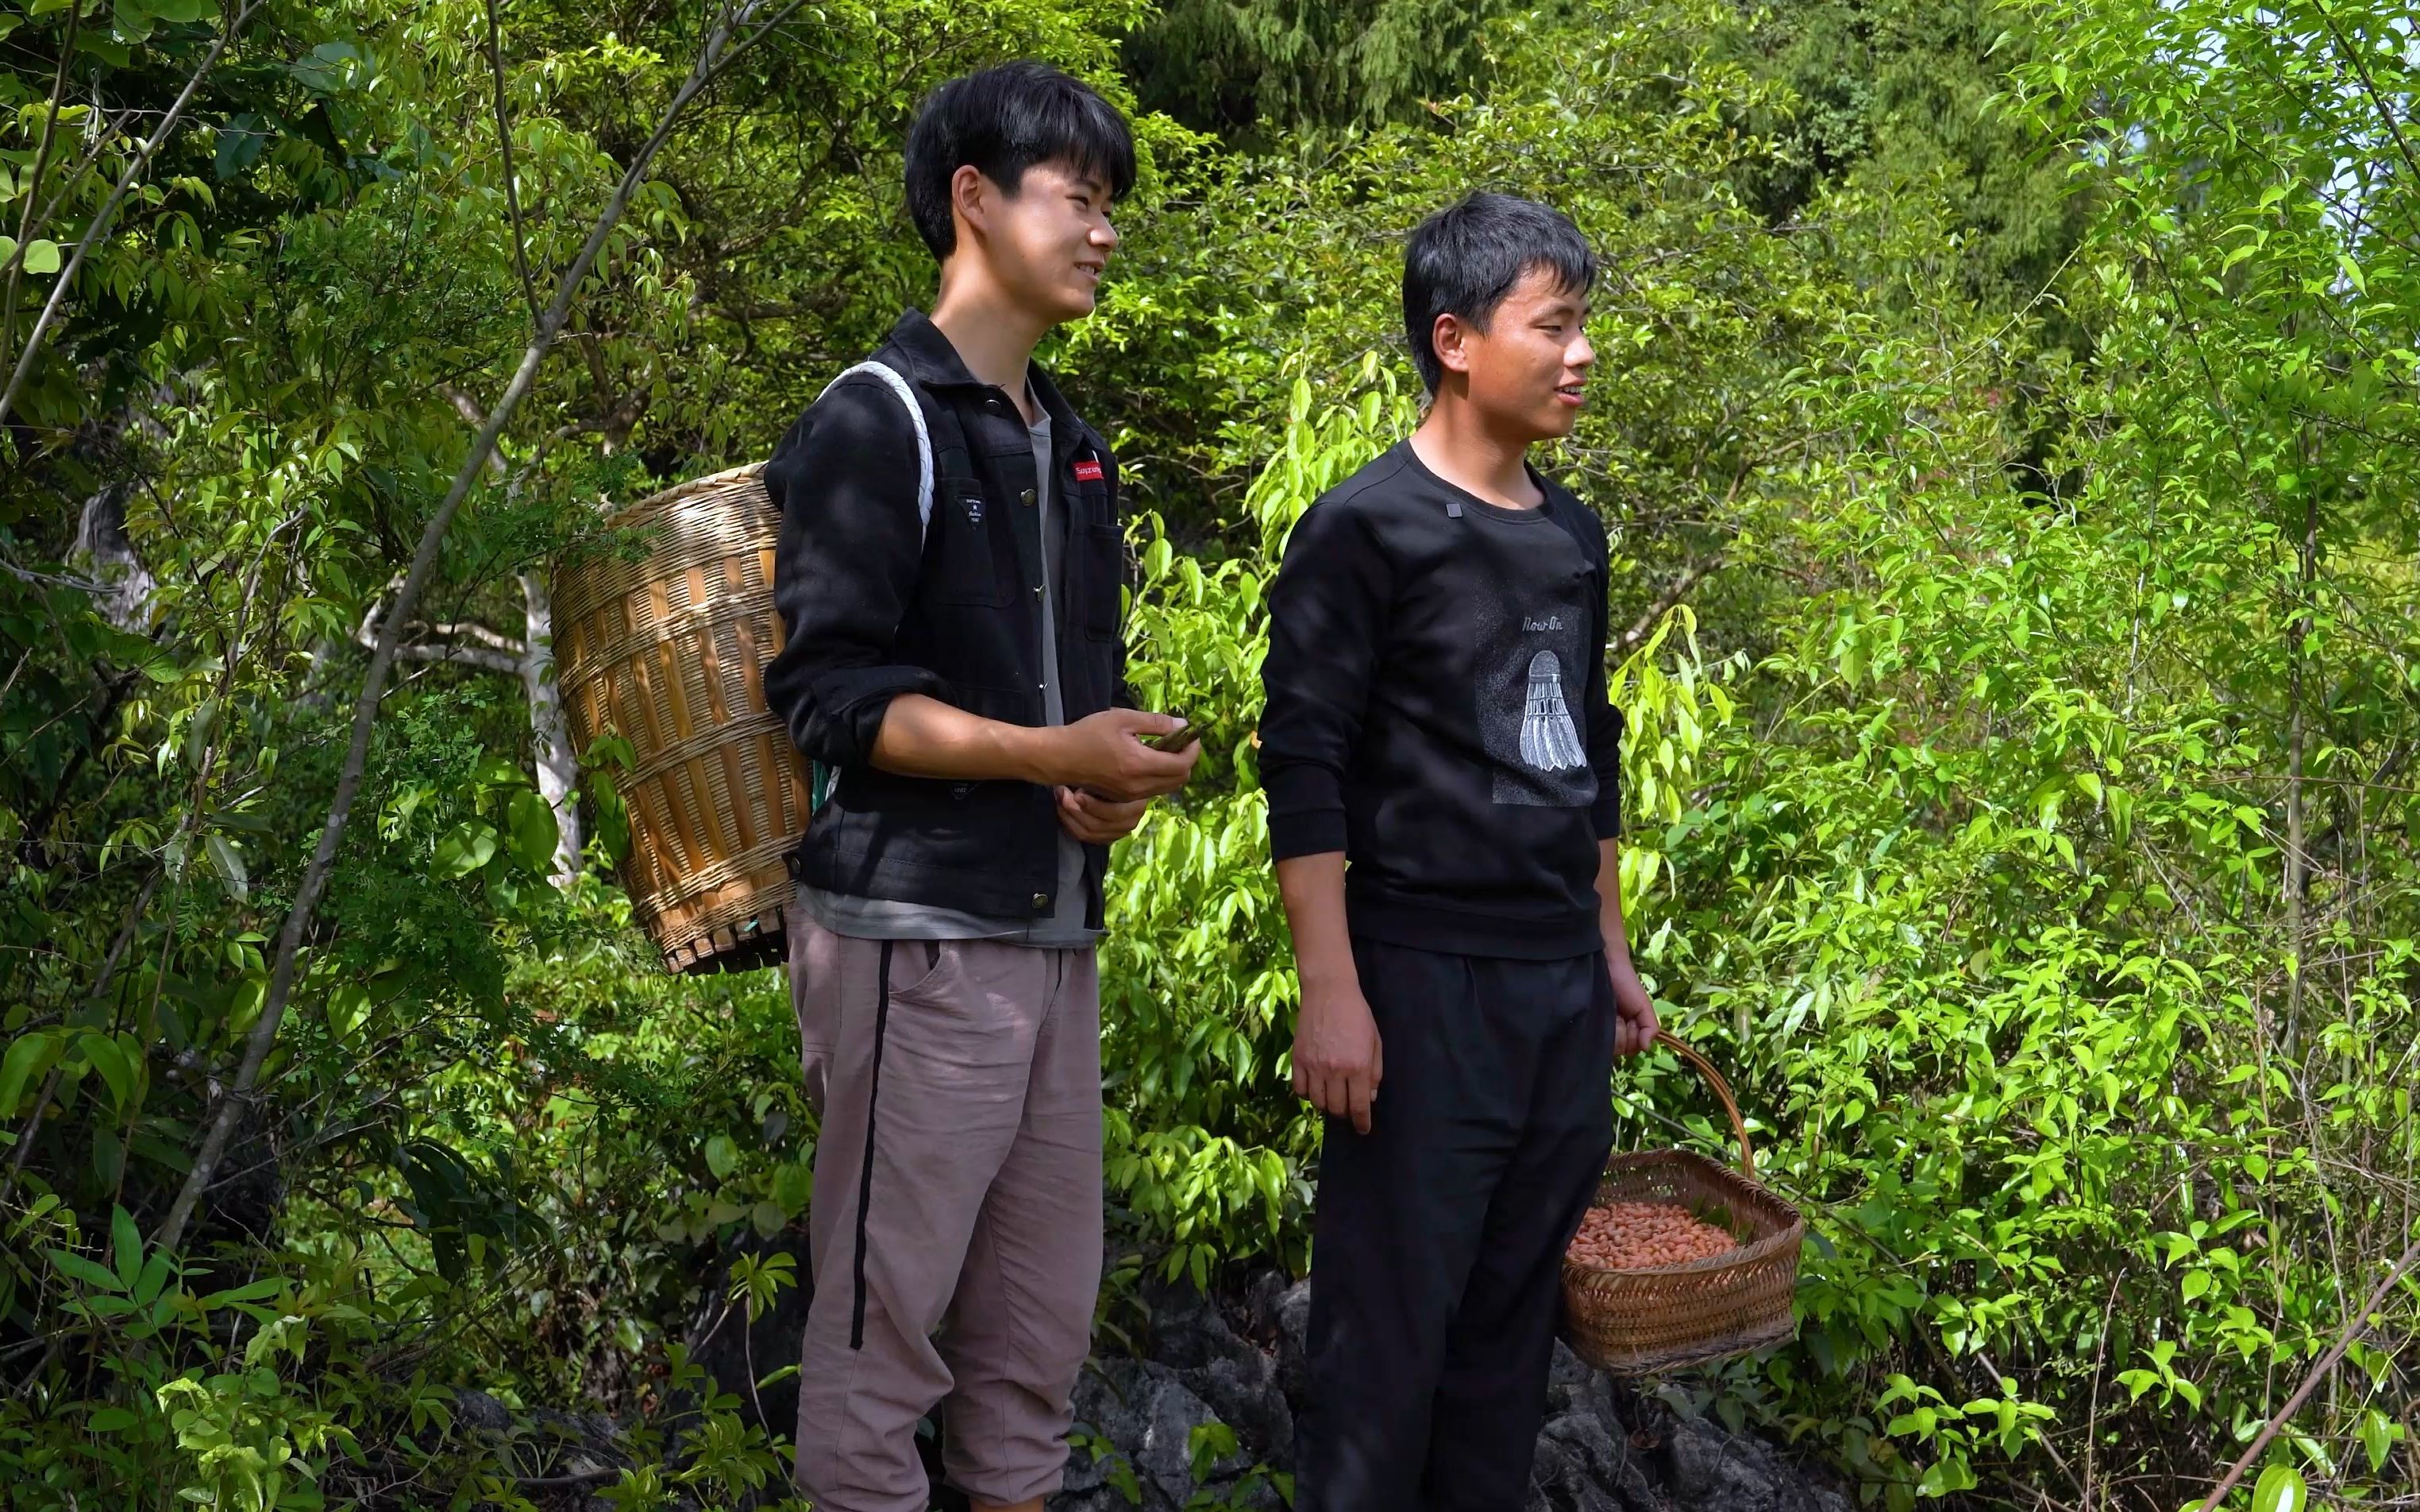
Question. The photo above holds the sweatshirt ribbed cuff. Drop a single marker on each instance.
(1311, 833)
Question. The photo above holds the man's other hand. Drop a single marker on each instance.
(1099, 821)
(1338, 1061)
(1635, 1023)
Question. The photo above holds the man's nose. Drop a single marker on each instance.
(1105, 237)
(1579, 354)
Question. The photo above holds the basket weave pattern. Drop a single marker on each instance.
(1635, 1322)
(669, 652)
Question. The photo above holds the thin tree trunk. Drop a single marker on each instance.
(717, 53)
(558, 765)
(2298, 866)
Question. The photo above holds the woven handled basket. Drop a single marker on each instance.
(669, 652)
(1635, 1322)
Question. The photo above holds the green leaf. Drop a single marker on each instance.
(126, 1248)
(183, 10)
(130, 20)
(41, 256)
(76, 1268)
(721, 1156)
(794, 1184)
(533, 830)
(110, 51)
(250, 1291)
(153, 1279)
(111, 1420)
(28, 1057)
(347, 1007)
(466, 849)
(240, 142)
(8, 244)
(2280, 1489)
(2378, 1436)
(109, 1061)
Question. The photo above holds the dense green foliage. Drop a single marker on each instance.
(2007, 426)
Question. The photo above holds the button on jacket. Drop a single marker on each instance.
(871, 610)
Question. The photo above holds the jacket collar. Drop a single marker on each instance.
(934, 363)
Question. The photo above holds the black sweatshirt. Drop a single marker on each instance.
(1437, 712)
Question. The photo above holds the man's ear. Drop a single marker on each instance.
(1450, 336)
(970, 198)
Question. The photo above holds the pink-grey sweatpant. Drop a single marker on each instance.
(955, 1230)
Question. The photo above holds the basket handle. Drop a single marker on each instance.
(1722, 1091)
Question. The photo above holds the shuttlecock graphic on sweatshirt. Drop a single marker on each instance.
(1530, 663)
(1548, 742)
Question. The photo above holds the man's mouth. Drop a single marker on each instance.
(1569, 393)
(1091, 270)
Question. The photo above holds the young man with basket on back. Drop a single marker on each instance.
(1438, 718)
(948, 574)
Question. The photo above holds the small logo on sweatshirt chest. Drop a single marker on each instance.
(1531, 625)
(1088, 470)
(974, 508)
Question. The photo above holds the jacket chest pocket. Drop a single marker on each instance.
(1100, 542)
(962, 549)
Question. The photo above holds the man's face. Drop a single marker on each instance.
(1051, 242)
(1527, 370)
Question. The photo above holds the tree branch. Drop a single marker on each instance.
(1645, 624)
(512, 192)
(471, 630)
(717, 53)
(2354, 1327)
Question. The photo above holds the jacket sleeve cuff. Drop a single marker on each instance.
(854, 704)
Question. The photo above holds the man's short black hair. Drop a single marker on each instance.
(1002, 122)
(1463, 260)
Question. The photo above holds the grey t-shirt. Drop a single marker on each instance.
(885, 918)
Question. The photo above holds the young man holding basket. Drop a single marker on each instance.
(1443, 771)
(948, 574)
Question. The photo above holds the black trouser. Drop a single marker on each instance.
(1437, 1243)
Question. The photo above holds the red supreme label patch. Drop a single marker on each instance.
(1088, 470)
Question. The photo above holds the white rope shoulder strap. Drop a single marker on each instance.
(923, 438)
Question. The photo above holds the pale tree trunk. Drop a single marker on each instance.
(558, 765)
(122, 585)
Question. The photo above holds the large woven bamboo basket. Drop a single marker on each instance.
(1636, 1322)
(668, 652)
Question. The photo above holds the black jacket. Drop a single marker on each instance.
(871, 611)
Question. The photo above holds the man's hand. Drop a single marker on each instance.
(1105, 754)
(1099, 821)
(1635, 1023)
(1338, 1062)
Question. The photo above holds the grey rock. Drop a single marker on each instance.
(1710, 1468)
(1279, 1312)
(1604, 1447)
(1148, 1415)
(1164, 1455)
(736, 1352)
(479, 1411)
(1585, 1464)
